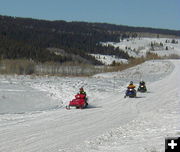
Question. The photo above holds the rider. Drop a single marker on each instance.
(142, 83)
(81, 91)
(131, 85)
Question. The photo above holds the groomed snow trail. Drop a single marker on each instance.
(111, 123)
(158, 118)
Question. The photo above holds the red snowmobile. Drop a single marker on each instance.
(80, 101)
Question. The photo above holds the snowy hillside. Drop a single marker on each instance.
(138, 47)
(108, 59)
(33, 115)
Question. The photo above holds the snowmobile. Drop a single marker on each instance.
(130, 93)
(142, 88)
(80, 101)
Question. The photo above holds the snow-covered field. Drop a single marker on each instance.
(108, 59)
(33, 117)
(137, 47)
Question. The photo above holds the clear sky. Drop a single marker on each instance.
(144, 13)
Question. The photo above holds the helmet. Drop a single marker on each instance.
(142, 81)
(81, 89)
(131, 82)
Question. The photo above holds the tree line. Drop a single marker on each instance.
(29, 38)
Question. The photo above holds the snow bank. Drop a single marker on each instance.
(148, 71)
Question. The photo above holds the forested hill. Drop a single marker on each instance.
(61, 41)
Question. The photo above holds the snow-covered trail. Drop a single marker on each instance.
(52, 130)
(158, 117)
(109, 119)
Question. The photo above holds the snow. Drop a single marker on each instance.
(33, 115)
(148, 71)
(137, 47)
(108, 59)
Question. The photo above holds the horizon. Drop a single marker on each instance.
(89, 22)
(158, 14)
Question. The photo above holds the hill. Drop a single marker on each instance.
(61, 41)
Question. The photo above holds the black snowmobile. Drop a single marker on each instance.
(142, 87)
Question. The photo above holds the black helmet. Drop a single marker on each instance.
(81, 89)
(142, 82)
(131, 82)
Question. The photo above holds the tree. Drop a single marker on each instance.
(113, 63)
(173, 41)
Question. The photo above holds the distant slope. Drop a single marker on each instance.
(138, 47)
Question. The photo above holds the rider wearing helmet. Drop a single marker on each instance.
(131, 88)
(141, 83)
(131, 85)
(142, 86)
(81, 91)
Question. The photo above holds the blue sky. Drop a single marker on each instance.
(144, 13)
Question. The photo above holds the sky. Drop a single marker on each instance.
(140, 13)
